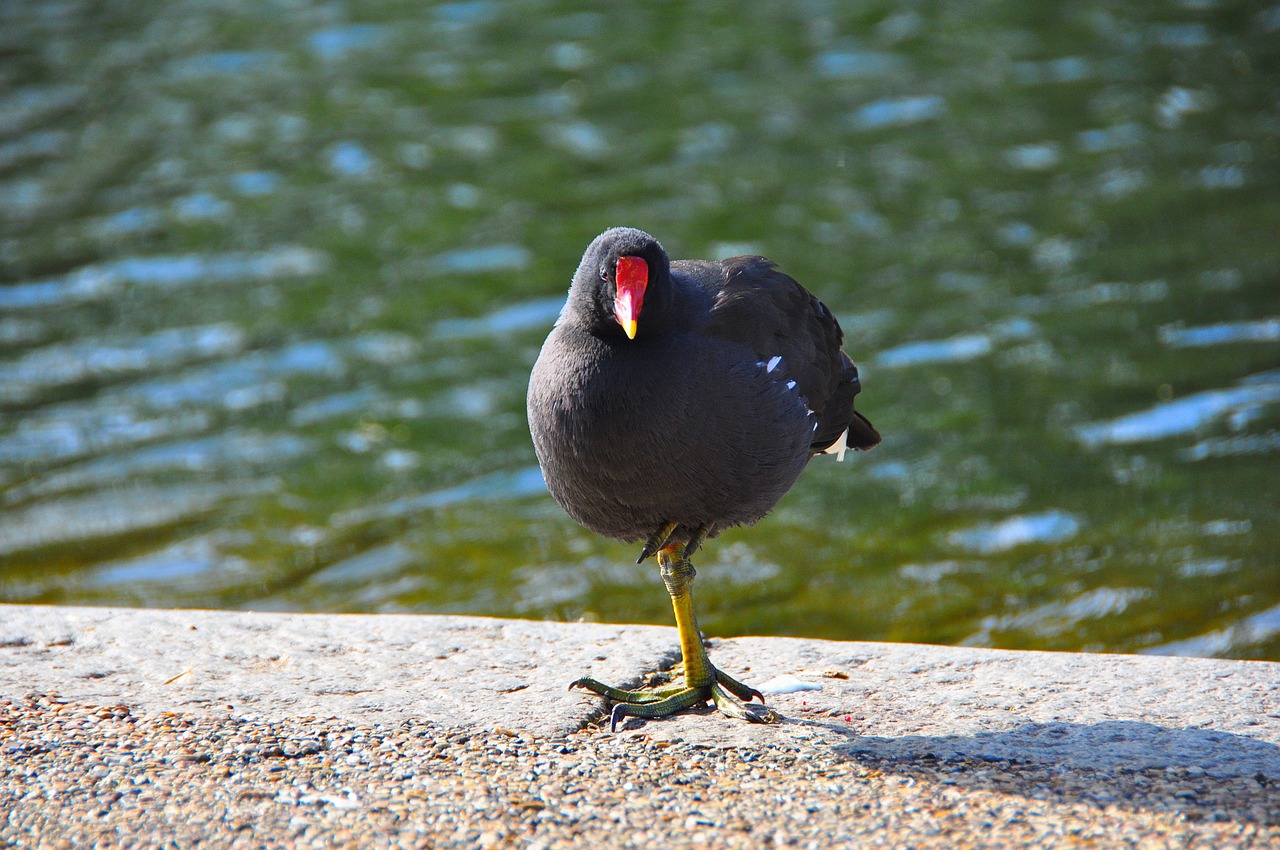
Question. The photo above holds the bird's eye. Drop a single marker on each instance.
(604, 274)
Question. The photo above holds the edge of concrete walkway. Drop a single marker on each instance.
(884, 700)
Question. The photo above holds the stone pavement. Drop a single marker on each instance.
(1041, 747)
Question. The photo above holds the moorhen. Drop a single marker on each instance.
(673, 400)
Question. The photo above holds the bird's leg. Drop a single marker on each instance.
(699, 674)
(678, 574)
(657, 541)
(696, 541)
(702, 681)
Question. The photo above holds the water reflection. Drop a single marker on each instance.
(1224, 333)
(271, 282)
(1250, 399)
(1048, 527)
(100, 282)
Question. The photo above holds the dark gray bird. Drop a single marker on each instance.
(673, 400)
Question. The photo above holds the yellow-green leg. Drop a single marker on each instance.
(702, 681)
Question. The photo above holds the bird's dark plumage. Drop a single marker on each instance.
(734, 379)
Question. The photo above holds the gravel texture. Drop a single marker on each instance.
(183, 728)
(74, 774)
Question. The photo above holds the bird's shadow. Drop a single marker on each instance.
(1198, 773)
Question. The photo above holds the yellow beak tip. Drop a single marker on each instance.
(629, 327)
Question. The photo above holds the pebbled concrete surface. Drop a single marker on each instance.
(154, 728)
(473, 672)
(889, 700)
(1093, 711)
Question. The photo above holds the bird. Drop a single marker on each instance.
(673, 400)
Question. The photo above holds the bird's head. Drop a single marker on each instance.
(623, 272)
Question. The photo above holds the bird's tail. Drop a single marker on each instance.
(862, 434)
(859, 433)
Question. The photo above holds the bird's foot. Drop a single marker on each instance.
(730, 696)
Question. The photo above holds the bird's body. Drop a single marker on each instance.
(673, 400)
(707, 420)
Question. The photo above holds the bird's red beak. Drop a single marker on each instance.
(631, 277)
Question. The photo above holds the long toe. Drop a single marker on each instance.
(729, 695)
(730, 706)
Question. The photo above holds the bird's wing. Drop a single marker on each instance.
(758, 306)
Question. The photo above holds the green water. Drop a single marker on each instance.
(272, 277)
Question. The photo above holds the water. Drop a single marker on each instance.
(272, 279)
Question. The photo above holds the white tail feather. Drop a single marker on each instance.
(839, 447)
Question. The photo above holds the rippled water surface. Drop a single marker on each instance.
(272, 278)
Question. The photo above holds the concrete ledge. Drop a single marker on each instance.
(465, 672)
(478, 673)
(878, 703)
